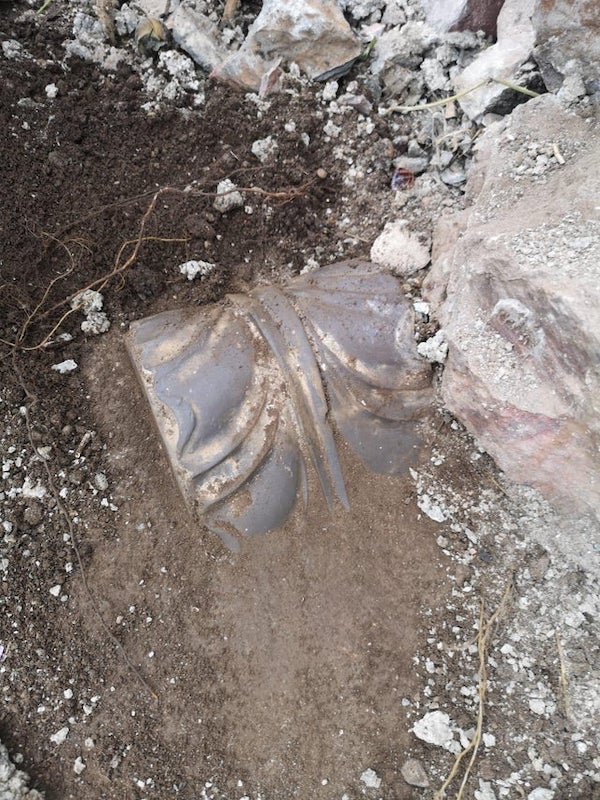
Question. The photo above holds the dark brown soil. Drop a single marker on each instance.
(282, 668)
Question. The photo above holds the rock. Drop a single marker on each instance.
(90, 303)
(78, 766)
(413, 773)
(371, 779)
(191, 269)
(414, 164)
(311, 33)
(541, 794)
(537, 705)
(263, 149)
(516, 38)
(60, 736)
(434, 728)
(398, 52)
(227, 197)
(431, 509)
(567, 36)
(463, 15)
(13, 782)
(198, 36)
(485, 791)
(399, 250)
(515, 283)
(65, 366)
(434, 349)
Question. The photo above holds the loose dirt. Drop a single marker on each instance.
(179, 669)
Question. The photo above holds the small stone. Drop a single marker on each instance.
(414, 774)
(537, 705)
(51, 91)
(55, 590)
(101, 481)
(78, 766)
(191, 269)
(434, 349)
(431, 509)
(65, 366)
(321, 174)
(541, 794)
(434, 728)
(263, 149)
(330, 91)
(399, 250)
(60, 735)
(228, 197)
(371, 779)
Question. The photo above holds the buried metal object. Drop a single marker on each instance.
(247, 394)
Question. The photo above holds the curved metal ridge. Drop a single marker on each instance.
(247, 393)
(282, 328)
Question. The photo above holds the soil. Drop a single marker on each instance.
(182, 670)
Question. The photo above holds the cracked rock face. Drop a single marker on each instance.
(248, 396)
(515, 283)
(312, 33)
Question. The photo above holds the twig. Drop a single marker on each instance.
(485, 631)
(74, 543)
(444, 101)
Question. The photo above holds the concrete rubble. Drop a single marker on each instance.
(461, 15)
(13, 782)
(567, 42)
(515, 285)
(503, 61)
(310, 33)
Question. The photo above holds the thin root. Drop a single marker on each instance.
(483, 637)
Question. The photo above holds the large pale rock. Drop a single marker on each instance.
(198, 36)
(515, 283)
(312, 33)
(503, 60)
(399, 250)
(567, 31)
(463, 15)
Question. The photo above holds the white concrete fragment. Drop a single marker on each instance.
(191, 269)
(434, 349)
(228, 197)
(78, 766)
(541, 794)
(313, 34)
(263, 149)
(516, 38)
(51, 91)
(198, 36)
(65, 366)
(371, 779)
(431, 509)
(60, 735)
(434, 728)
(399, 250)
